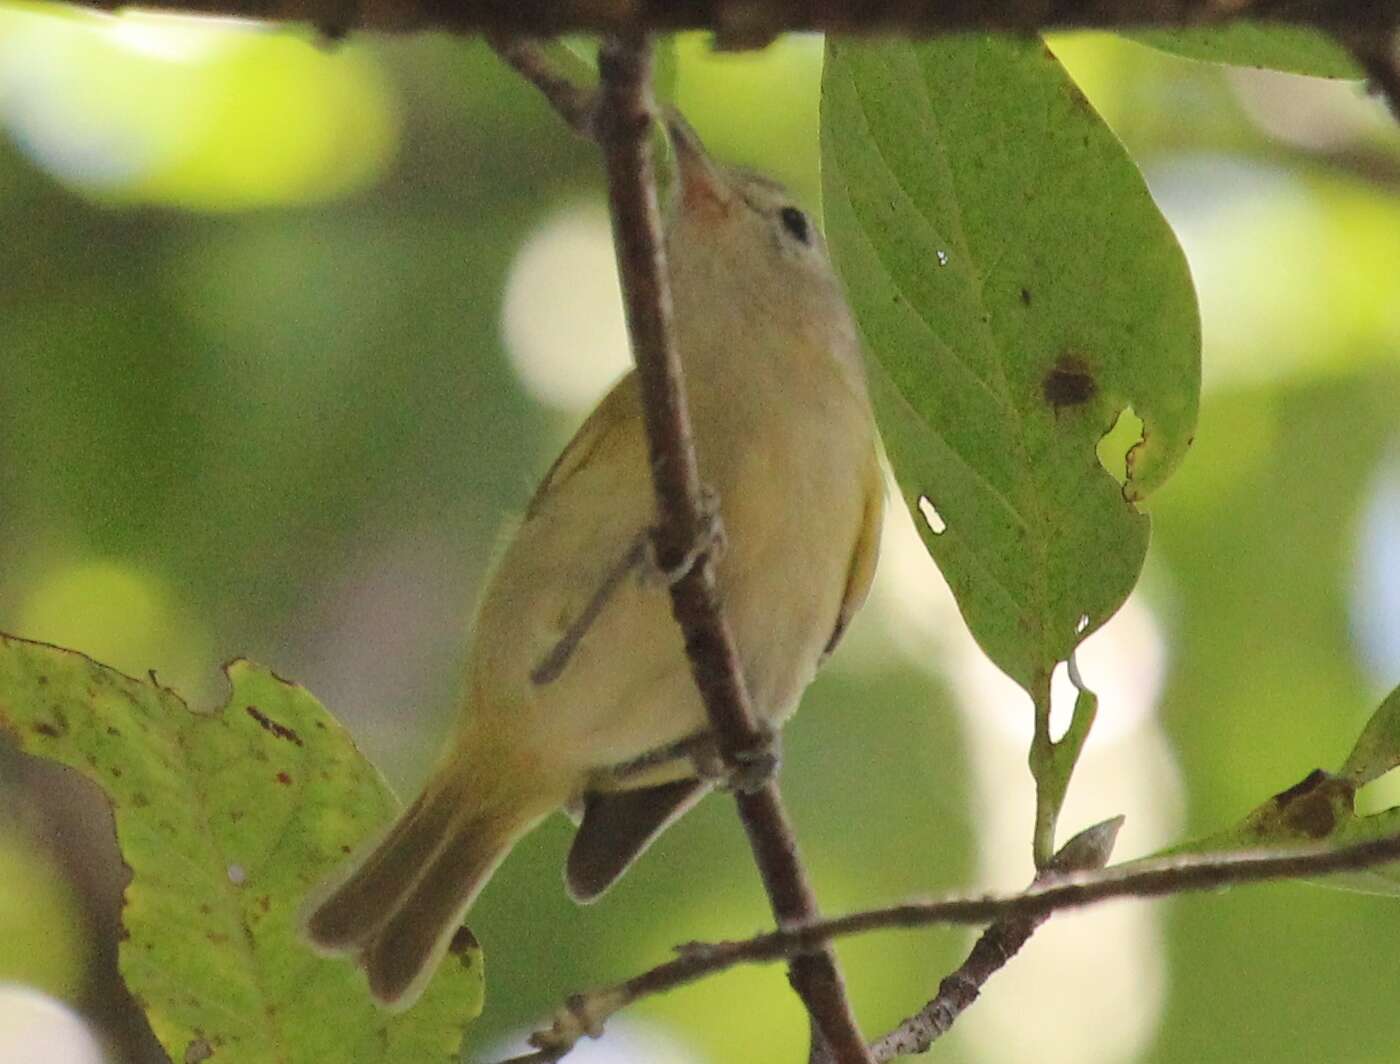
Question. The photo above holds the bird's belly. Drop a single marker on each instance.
(627, 689)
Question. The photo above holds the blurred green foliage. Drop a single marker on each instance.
(264, 407)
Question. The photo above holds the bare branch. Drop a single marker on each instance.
(1149, 878)
(751, 22)
(574, 103)
(685, 537)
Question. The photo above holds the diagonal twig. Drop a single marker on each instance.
(996, 946)
(683, 538)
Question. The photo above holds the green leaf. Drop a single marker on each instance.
(1377, 751)
(1322, 807)
(1274, 46)
(1016, 289)
(226, 819)
(1319, 808)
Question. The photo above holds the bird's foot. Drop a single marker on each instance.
(711, 541)
(745, 770)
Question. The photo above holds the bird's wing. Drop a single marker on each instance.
(619, 413)
(863, 558)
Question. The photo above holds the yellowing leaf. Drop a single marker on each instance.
(226, 819)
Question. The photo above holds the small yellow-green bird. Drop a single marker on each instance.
(785, 438)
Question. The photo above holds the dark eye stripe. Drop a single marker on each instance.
(795, 222)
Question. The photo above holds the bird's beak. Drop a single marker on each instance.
(703, 187)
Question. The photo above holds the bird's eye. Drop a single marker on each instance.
(795, 222)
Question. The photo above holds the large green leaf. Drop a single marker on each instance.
(1275, 46)
(1016, 289)
(226, 819)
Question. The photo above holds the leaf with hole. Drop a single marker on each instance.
(226, 819)
(1017, 291)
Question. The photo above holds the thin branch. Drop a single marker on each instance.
(752, 22)
(1089, 850)
(686, 537)
(1149, 878)
(574, 103)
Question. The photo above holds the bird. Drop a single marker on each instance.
(577, 691)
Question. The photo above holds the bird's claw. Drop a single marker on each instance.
(711, 541)
(746, 770)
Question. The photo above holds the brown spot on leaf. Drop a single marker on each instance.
(139, 800)
(1025, 297)
(198, 1051)
(1310, 807)
(1312, 816)
(284, 779)
(45, 728)
(462, 940)
(1069, 383)
(281, 731)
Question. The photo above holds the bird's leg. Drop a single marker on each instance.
(752, 770)
(641, 554)
(552, 664)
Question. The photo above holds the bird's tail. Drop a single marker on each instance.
(396, 910)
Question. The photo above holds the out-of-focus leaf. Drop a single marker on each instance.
(1377, 751)
(1017, 289)
(665, 64)
(1293, 49)
(226, 819)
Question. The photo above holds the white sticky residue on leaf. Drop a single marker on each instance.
(936, 524)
